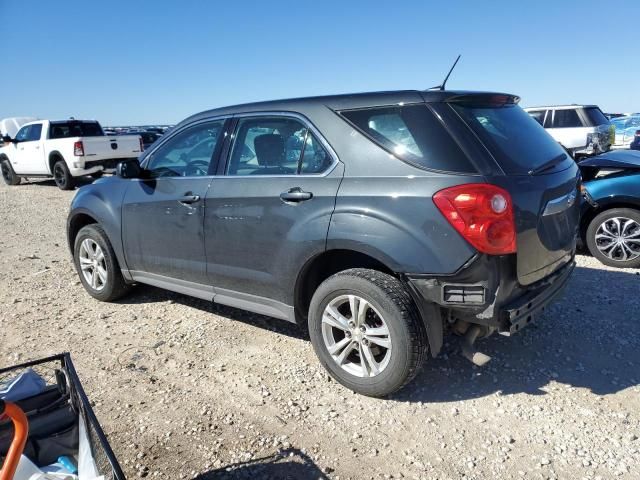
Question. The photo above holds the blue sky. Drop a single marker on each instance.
(137, 62)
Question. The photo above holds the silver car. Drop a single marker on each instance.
(581, 129)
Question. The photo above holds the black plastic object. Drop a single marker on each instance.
(53, 418)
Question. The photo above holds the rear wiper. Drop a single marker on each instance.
(548, 165)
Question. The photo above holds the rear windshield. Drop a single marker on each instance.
(75, 129)
(413, 134)
(596, 117)
(517, 141)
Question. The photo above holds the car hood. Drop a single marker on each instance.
(615, 159)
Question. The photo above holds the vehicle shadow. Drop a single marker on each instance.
(590, 338)
(49, 182)
(148, 294)
(286, 464)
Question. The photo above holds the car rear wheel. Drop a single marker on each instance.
(8, 175)
(613, 237)
(62, 176)
(97, 265)
(367, 332)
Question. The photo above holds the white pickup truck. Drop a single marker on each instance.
(63, 150)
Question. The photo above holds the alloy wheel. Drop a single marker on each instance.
(618, 238)
(356, 336)
(59, 176)
(93, 264)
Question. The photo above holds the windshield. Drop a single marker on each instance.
(517, 141)
(75, 129)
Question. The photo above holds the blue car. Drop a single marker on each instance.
(610, 218)
(627, 129)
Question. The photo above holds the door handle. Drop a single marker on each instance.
(295, 195)
(189, 199)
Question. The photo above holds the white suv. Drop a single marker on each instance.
(582, 129)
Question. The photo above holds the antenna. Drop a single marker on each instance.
(444, 83)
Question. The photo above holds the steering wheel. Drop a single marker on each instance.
(196, 168)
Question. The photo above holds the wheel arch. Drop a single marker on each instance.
(54, 156)
(320, 267)
(75, 223)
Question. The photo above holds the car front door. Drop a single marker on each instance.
(163, 212)
(268, 211)
(29, 155)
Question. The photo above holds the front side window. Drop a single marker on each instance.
(188, 153)
(566, 119)
(413, 134)
(275, 146)
(23, 133)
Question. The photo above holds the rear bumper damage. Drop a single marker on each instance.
(485, 297)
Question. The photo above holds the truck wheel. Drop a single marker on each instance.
(62, 176)
(8, 175)
(613, 237)
(367, 332)
(97, 264)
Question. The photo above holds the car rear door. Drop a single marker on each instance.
(163, 213)
(268, 211)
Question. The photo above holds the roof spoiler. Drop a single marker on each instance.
(485, 99)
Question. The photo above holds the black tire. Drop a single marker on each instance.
(115, 286)
(8, 175)
(604, 217)
(62, 176)
(407, 334)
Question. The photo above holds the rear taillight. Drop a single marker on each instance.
(482, 214)
(141, 144)
(78, 149)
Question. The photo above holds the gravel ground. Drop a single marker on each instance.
(186, 389)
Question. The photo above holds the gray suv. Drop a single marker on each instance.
(382, 221)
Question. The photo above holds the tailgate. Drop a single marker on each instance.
(541, 178)
(547, 211)
(124, 146)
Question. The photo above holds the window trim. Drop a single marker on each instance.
(226, 155)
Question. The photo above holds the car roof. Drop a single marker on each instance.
(342, 101)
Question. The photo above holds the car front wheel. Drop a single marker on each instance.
(613, 237)
(367, 332)
(97, 264)
(8, 175)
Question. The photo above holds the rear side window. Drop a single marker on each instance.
(516, 140)
(595, 116)
(34, 132)
(75, 129)
(413, 134)
(566, 119)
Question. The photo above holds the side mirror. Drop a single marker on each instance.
(7, 139)
(129, 169)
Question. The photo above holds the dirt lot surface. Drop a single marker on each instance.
(186, 389)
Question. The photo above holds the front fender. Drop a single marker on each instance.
(102, 201)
